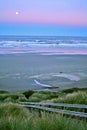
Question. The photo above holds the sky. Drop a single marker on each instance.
(43, 17)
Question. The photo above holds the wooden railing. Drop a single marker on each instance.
(49, 107)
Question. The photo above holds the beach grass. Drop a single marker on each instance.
(79, 97)
(41, 96)
(14, 117)
(73, 95)
(27, 96)
(12, 97)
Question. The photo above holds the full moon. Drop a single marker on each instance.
(17, 13)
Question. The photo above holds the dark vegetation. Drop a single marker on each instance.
(73, 95)
(71, 90)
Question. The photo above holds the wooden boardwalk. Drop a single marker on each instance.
(82, 106)
(45, 107)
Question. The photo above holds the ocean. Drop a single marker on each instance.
(42, 63)
(43, 44)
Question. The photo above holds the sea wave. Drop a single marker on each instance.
(12, 44)
(43, 45)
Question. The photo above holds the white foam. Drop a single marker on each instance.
(73, 77)
(68, 76)
(41, 84)
(44, 43)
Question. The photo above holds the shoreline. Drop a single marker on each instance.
(45, 51)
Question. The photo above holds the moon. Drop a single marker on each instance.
(17, 13)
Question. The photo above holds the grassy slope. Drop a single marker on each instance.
(14, 117)
(74, 95)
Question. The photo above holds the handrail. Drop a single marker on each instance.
(66, 112)
(82, 106)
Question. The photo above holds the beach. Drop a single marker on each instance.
(18, 72)
(42, 63)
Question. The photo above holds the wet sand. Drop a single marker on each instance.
(18, 72)
(45, 50)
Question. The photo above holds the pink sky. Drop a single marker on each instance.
(43, 11)
(42, 14)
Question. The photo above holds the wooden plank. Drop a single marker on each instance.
(66, 112)
(82, 106)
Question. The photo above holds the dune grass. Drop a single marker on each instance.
(73, 95)
(72, 98)
(12, 97)
(14, 110)
(27, 96)
(14, 117)
(40, 96)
